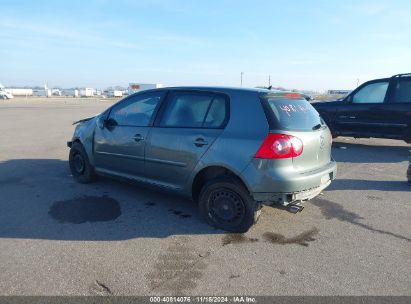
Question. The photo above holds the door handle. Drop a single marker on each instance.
(138, 137)
(199, 142)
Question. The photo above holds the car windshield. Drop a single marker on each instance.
(290, 112)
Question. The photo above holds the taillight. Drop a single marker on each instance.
(280, 146)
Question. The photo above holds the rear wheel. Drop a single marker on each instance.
(79, 163)
(409, 172)
(227, 205)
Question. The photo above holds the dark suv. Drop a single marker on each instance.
(230, 150)
(378, 108)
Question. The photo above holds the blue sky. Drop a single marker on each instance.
(314, 44)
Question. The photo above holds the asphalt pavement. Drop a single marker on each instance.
(58, 237)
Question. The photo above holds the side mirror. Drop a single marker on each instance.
(104, 122)
(101, 122)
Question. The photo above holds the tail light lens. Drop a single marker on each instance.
(280, 146)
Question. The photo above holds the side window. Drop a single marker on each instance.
(137, 110)
(372, 93)
(194, 110)
(402, 92)
(216, 114)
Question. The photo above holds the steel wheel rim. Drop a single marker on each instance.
(78, 163)
(226, 207)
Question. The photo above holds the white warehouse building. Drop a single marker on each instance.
(87, 92)
(19, 92)
(137, 87)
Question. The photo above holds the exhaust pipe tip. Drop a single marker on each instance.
(295, 208)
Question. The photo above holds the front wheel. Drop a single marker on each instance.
(227, 205)
(79, 163)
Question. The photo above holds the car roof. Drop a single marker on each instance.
(273, 93)
(405, 75)
(218, 89)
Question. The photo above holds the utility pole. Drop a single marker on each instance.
(358, 81)
(241, 79)
(269, 80)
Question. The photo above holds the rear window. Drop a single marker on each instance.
(290, 114)
(402, 93)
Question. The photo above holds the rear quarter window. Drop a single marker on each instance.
(402, 92)
(290, 114)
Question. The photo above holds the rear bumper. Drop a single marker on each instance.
(285, 188)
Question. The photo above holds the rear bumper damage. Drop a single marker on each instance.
(315, 183)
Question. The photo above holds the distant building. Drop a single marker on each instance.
(56, 92)
(115, 93)
(86, 92)
(338, 92)
(137, 87)
(42, 93)
(70, 92)
(20, 92)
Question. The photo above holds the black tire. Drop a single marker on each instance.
(80, 166)
(227, 205)
(409, 172)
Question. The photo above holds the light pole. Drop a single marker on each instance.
(241, 79)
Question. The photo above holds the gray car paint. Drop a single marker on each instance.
(172, 160)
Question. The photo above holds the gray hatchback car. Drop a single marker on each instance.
(231, 150)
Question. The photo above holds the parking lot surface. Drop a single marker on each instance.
(58, 237)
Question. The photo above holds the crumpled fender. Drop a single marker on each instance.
(84, 133)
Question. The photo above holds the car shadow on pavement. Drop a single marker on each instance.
(332, 210)
(360, 184)
(363, 153)
(40, 200)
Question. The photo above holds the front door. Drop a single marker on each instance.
(186, 128)
(363, 112)
(119, 144)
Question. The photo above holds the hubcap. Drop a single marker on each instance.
(226, 206)
(78, 162)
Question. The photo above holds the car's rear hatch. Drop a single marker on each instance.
(289, 113)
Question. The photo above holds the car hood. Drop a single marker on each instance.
(84, 120)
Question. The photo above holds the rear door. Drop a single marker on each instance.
(187, 125)
(363, 112)
(398, 108)
(119, 144)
